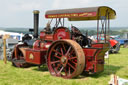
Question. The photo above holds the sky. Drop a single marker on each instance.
(18, 13)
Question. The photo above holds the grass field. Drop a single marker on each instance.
(118, 64)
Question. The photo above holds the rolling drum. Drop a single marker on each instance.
(18, 56)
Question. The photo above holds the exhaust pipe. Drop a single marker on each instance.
(36, 23)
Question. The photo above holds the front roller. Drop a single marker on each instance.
(18, 57)
(65, 58)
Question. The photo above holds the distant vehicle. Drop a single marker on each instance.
(114, 44)
(123, 41)
(13, 39)
(12, 35)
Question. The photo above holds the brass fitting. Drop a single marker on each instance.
(36, 11)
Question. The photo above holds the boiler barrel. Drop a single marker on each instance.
(36, 23)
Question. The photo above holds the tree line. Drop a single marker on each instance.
(111, 32)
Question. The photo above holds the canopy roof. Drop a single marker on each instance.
(78, 14)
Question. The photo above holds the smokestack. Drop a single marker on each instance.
(36, 23)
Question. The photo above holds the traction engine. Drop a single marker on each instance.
(67, 53)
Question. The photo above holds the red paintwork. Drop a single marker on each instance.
(49, 37)
(44, 36)
(40, 45)
(38, 56)
(39, 52)
(71, 15)
(89, 53)
(100, 45)
(113, 42)
(94, 57)
(45, 45)
(36, 44)
(61, 33)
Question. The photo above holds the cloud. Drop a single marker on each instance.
(18, 13)
(70, 3)
(56, 3)
(24, 6)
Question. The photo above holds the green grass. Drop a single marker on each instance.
(118, 64)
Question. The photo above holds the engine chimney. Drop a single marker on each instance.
(36, 22)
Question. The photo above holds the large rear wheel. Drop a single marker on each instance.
(65, 59)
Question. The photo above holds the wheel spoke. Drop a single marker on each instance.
(71, 66)
(58, 66)
(68, 51)
(57, 56)
(71, 52)
(53, 62)
(62, 51)
(71, 58)
(57, 52)
(63, 47)
(73, 62)
(60, 70)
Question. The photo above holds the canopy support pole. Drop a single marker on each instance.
(98, 29)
